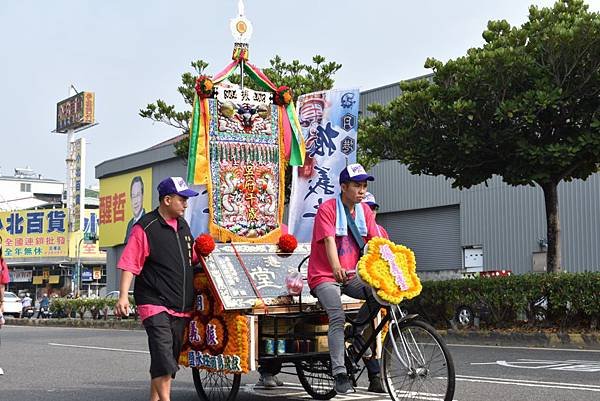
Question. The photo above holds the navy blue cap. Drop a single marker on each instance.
(370, 200)
(175, 185)
(355, 172)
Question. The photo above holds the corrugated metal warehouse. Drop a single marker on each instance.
(451, 231)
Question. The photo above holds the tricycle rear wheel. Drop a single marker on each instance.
(315, 376)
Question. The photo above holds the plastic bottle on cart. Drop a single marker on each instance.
(269, 346)
(281, 346)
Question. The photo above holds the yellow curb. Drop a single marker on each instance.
(554, 340)
(577, 339)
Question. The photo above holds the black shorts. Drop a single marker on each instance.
(165, 339)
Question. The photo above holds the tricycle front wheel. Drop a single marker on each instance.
(216, 386)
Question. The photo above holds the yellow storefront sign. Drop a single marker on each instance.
(34, 233)
(79, 247)
(123, 200)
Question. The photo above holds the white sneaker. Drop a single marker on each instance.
(277, 381)
(267, 380)
(1, 372)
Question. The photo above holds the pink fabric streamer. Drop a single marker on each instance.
(217, 78)
(287, 133)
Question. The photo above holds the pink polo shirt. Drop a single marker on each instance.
(381, 232)
(4, 277)
(319, 270)
(132, 260)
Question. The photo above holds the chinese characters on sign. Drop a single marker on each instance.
(112, 208)
(76, 184)
(88, 249)
(124, 199)
(75, 112)
(263, 270)
(34, 233)
(329, 122)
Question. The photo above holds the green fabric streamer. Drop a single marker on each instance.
(256, 78)
(295, 152)
(193, 141)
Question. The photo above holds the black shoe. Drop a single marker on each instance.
(342, 383)
(375, 385)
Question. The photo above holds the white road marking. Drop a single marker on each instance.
(422, 396)
(568, 365)
(99, 348)
(529, 383)
(524, 348)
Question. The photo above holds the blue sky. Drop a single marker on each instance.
(131, 53)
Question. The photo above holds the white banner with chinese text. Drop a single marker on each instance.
(329, 121)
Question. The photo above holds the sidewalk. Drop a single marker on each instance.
(125, 324)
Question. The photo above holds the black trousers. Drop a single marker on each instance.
(165, 339)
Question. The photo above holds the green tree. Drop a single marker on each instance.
(524, 106)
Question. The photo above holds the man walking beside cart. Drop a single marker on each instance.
(161, 255)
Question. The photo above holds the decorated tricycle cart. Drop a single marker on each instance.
(245, 317)
(252, 305)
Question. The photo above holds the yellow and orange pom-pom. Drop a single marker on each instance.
(204, 86)
(283, 96)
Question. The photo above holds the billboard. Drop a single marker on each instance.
(34, 233)
(123, 200)
(75, 112)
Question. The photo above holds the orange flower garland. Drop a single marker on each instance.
(390, 269)
(238, 324)
(230, 330)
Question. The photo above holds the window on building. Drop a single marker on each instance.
(25, 187)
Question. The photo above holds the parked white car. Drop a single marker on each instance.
(12, 304)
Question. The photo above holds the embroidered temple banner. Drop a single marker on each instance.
(240, 142)
(246, 167)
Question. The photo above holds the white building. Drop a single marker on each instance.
(27, 190)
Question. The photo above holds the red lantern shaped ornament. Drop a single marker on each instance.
(204, 245)
(287, 243)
